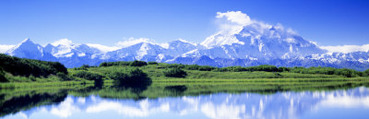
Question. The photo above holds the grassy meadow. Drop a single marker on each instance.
(21, 90)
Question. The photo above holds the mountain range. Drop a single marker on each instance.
(243, 43)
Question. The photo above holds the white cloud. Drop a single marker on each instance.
(235, 17)
(185, 41)
(65, 109)
(4, 48)
(132, 41)
(346, 48)
(64, 41)
(126, 43)
(223, 111)
(232, 22)
(103, 48)
(144, 110)
(345, 101)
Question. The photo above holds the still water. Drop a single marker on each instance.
(343, 103)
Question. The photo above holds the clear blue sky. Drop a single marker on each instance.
(329, 22)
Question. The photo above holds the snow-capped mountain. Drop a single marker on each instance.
(179, 47)
(258, 41)
(29, 49)
(66, 48)
(140, 51)
(240, 41)
(180, 51)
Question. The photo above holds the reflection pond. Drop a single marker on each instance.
(176, 102)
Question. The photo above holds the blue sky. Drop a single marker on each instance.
(328, 22)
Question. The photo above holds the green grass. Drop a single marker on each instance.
(27, 92)
(196, 82)
(156, 72)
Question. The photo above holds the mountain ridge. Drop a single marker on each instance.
(192, 54)
(240, 41)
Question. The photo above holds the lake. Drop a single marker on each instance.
(338, 103)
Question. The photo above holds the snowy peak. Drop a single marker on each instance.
(179, 47)
(137, 51)
(25, 43)
(250, 38)
(27, 49)
(240, 41)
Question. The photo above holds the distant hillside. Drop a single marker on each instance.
(27, 67)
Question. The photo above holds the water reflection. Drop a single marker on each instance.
(222, 105)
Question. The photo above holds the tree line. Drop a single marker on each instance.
(28, 67)
(175, 72)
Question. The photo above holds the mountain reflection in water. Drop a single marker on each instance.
(351, 103)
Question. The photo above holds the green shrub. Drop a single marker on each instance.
(138, 63)
(32, 78)
(26, 67)
(83, 67)
(2, 76)
(221, 70)
(152, 63)
(205, 68)
(283, 69)
(88, 76)
(238, 69)
(64, 77)
(175, 72)
(175, 66)
(117, 75)
(327, 71)
(366, 72)
(136, 80)
(192, 67)
(345, 72)
(267, 68)
(99, 83)
(120, 63)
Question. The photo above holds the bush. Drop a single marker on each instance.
(238, 69)
(2, 76)
(32, 78)
(26, 67)
(192, 67)
(283, 69)
(83, 67)
(99, 83)
(136, 80)
(88, 75)
(267, 68)
(345, 72)
(120, 63)
(64, 77)
(152, 63)
(138, 63)
(117, 75)
(175, 66)
(175, 72)
(366, 72)
(327, 71)
(206, 68)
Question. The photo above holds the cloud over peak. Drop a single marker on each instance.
(235, 17)
(233, 23)
(64, 42)
(4, 48)
(346, 48)
(133, 41)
